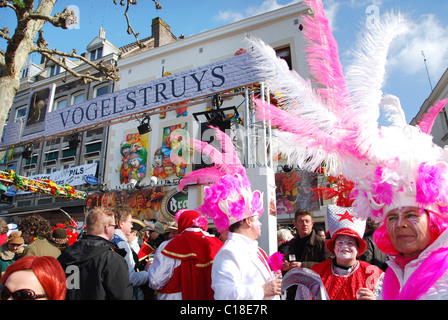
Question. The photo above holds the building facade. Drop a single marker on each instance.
(440, 127)
(169, 91)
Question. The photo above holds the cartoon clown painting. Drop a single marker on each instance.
(134, 157)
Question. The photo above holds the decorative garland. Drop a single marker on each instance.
(42, 186)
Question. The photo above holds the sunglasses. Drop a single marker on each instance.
(22, 294)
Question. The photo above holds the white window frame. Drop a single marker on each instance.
(101, 87)
(17, 118)
(96, 54)
(56, 103)
(77, 94)
(54, 70)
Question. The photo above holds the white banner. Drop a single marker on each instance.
(72, 176)
(205, 80)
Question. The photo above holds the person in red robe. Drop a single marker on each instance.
(184, 269)
(345, 277)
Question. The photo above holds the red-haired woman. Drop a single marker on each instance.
(34, 278)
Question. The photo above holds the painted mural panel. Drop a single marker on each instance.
(157, 203)
(134, 153)
(172, 154)
(294, 190)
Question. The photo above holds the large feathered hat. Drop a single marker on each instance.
(333, 119)
(228, 194)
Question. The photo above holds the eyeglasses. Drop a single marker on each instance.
(22, 294)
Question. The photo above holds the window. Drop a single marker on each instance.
(49, 170)
(54, 70)
(52, 155)
(32, 160)
(96, 54)
(97, 161)
(68, 153)
(102, 90)
(62, 103)
(21, 113)
(24, 73)
(67, 166)
(78, 97)
(285, 54)
(29, 173)
(93, 147)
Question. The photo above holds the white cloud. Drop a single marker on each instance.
(331, 9)
(230, 16)
(426, 34)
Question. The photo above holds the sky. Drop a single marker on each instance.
(407, 75)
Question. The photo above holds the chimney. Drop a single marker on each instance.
(161, 32)
(102, 33)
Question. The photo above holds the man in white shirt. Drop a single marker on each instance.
(240, 270)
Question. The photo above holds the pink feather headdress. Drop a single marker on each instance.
(333, 119)
(228, 196)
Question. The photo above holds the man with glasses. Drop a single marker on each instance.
(123, 218)
(94, 266)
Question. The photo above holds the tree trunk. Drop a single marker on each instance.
(8, 88)
(16, 55)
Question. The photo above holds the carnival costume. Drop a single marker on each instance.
(343, 283)
(336, 125)
(240, 268)
(182, 266)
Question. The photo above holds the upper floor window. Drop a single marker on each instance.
(77, 98)
(61, 103)
(54, 70)
(24, 73)
(32, 160)
(102, 90)
(50, 169)
(285, 54)
(96, 54)
(51, 155)
(21, 113)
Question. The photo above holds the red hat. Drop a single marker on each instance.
(190, 218)
(342, 222)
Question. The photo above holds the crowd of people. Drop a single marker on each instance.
(400, 182)
(188, 263)
(118, 257)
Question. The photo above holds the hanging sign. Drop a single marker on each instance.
(75, 176)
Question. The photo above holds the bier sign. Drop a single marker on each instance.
(173, 201)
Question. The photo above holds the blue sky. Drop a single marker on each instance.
(406, 75)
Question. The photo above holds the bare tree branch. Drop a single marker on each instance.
(4, 34)
(4, 4)
(61, 20)
(130, 30)
(110, 71)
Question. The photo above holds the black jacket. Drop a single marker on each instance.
(310, 250)
(95, 270)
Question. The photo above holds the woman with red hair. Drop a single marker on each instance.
(34, 278)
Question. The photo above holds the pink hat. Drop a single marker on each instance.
(228, 195)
